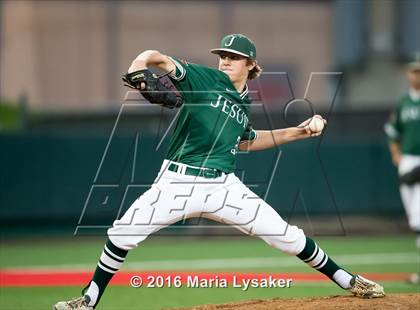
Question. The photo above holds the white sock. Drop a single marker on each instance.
(342, 278)
(93, 292)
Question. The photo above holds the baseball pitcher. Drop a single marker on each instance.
(196, 179)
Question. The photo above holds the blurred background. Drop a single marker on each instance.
(63, 153)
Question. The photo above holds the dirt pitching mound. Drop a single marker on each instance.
(390, 301)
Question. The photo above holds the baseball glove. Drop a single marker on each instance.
(411, 177)
(155, 89)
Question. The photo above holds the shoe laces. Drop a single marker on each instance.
(78, 302)
(364, 283)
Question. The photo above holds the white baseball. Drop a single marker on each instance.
(316, 124)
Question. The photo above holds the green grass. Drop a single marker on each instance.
(79, 250)
(83, 250)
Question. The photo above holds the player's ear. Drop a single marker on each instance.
(251, 64)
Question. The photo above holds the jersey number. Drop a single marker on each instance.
(235, 148)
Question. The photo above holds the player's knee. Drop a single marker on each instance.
(124, 242)
(291, 243)
(124, 239)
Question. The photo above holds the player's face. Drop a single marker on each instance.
(414, 78)
(235, 66)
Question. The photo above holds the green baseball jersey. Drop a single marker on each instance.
(213, 119)
(404, 125)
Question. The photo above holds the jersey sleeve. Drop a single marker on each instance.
(249, 134)
(180, 69)
(393, 128)
(191, 79)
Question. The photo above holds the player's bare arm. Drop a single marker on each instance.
(152, 58)
(395, 150)
(270, 138)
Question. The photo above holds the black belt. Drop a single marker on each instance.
(208, 173)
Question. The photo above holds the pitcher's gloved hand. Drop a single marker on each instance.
(411, 177)
(155, 89)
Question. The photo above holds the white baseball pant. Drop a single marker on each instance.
(410, 194)
(175, 196)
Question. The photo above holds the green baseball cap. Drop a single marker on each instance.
(237, 44)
